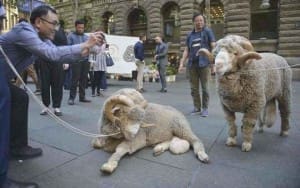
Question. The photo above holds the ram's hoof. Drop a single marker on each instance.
(260, 129)
(97, 143)
(284, 133)
(109, 167)
(231, 141)
(246, 146)
(203, 157)
(157, 150)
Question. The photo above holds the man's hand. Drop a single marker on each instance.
(181, 68)
(94, 39)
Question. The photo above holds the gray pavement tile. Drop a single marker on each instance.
(132, 172)
(63, 139)
(224, 176)
(28, 169)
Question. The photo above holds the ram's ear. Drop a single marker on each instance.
(136, 113)
(244, 58)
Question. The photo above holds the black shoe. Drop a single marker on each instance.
(71, 102)
(84, 100)
(17, 184)
(26, 152)
(163, 90)
(57, 112)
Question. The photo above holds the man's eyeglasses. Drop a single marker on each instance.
(54, 23)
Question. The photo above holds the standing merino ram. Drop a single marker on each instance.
(138, 124)
(251, 83)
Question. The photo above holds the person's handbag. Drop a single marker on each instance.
(109, 60)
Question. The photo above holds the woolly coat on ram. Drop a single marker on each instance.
(142, 124)
(251, 83)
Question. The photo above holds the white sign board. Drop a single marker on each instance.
(121, 50)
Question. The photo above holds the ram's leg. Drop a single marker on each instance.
(162, 147)
(187, 134)
(126, 147)
(285, 111)
(113, 161)
(198, 147)
(260, 121)
(99, 143)
(247, 130)
(232, 131)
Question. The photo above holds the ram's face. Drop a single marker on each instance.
(225, 61)
(129, 120)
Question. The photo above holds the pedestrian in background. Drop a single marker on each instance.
(97, 58)
(161, 58)
(80, 68)
(52, 76)
(198, 65)
(139, 54)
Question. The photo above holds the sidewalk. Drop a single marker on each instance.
(69, 161)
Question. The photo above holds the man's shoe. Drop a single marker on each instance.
(71, 102)
(195, 112)
(44, 112)
(26, 152)
(84, 100)
(204, 113)
(17, 184)
(163, 90)
(37, 92)
(141, 90)
(57, 112)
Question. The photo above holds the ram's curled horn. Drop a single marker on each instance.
(205, 52)
(249, 55)
(247, 45)
(112, 102)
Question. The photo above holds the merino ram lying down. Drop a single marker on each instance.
(251, 83)
(142, 124)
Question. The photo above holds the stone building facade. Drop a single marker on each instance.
(271, 25)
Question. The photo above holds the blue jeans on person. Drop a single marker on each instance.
(4, 124)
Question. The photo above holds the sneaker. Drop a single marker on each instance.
(204, 113)
(37, 92)
(163, 90)
(71, 102)
(57, 112)
(195, 112)
(44, 112)
(84, 100)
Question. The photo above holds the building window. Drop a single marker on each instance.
(137, 22)
(108, 22)
(264, 19)
(171, 22)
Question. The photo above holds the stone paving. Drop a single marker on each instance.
(69, 161)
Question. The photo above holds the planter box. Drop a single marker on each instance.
(171, 78)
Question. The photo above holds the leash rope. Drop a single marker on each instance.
(57, 119)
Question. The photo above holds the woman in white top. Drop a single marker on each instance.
(97, 58)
